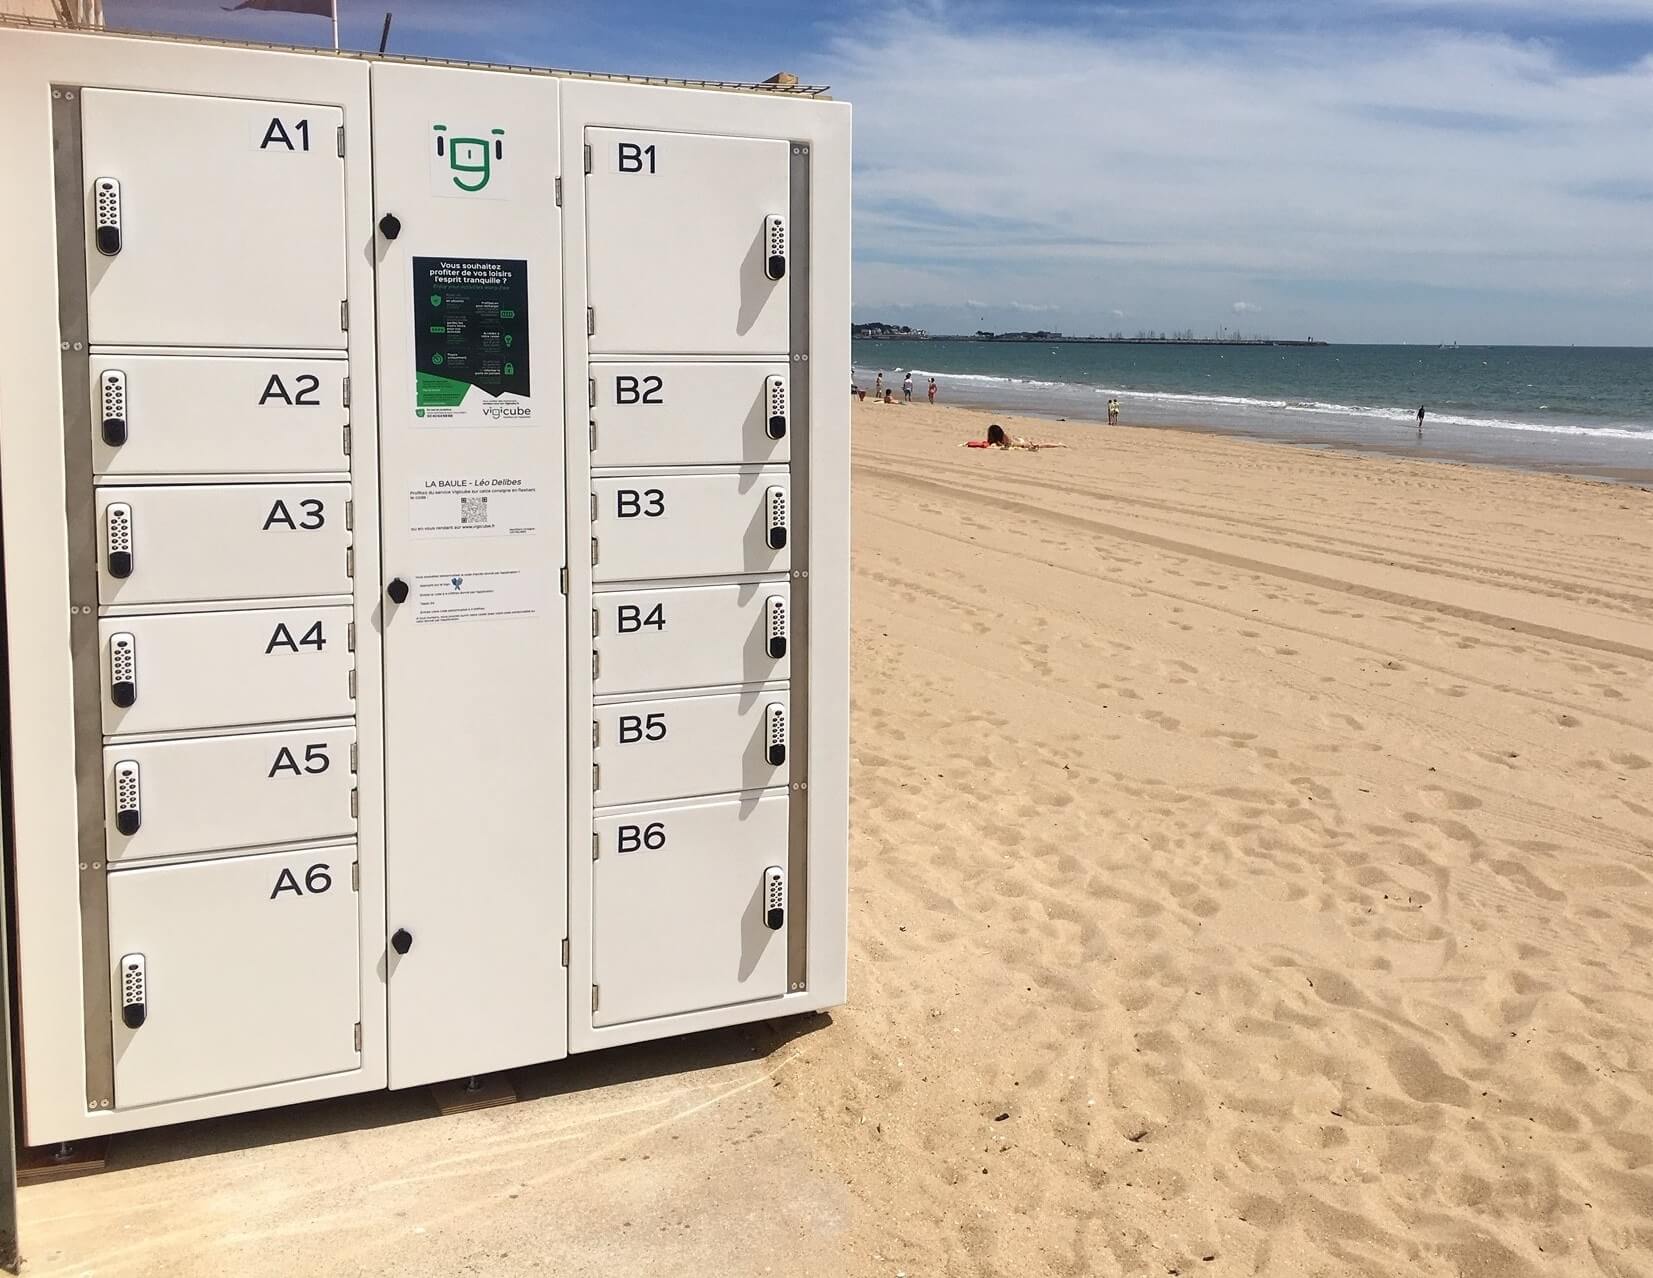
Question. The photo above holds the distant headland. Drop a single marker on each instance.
(904, 333)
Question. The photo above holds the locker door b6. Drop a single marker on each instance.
(199, 542)
(691, 525)
(684, 746)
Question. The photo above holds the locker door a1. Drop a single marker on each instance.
(198, 670)
(181, 543)
(199, 414)
(213, 221)
(671, 414)
(648, 195)
(680, 747)
(689, 907)
(691, 637)
(202, 794)
(690, 525)
(234, 973)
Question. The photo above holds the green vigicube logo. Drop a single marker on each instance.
(470, 160)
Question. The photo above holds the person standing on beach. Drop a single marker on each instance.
(878, 388)
(1420, 419)
(932, 390)
(907, 388)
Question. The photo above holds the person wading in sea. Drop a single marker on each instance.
(1420, 419)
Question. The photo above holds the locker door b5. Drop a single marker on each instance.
(684, 746)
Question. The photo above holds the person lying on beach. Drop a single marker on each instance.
(996, 438)
(889, 395)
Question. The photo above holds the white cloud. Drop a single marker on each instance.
(1355, 185)
(1245, 308)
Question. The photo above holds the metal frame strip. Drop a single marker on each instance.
(798, 302)
(80, 516)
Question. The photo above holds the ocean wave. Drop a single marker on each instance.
(1400, 416)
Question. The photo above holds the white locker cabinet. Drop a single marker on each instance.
(666, 414)
(213, 221)
(201, 542)
(651, 195)
(203, 794)
(202, 670)
(691, 637)
(199, 414)
(234, 973)
(681, 747)
(681, 907)
(652, 526)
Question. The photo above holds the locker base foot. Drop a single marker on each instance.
(44, 1163)
(461, 1095)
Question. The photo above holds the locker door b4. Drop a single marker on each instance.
(689, 906)
(691, 636)
(234, 973)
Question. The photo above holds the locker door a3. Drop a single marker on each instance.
(689, 907)
(691, 637)
(648, 196)
(212, 221)
(234, 973)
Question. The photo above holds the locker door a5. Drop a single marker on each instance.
(212, 221)
(648, 195)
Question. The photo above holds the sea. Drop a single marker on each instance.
(1574, 409)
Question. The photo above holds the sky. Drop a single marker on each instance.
(1355, 170)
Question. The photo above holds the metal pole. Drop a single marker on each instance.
(335, 26)
(10, 1257)
(384, 34)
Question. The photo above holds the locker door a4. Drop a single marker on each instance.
(234, 973)
(689, 907)
(649, 196)
(212, 221)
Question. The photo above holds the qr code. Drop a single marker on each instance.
(473, 510)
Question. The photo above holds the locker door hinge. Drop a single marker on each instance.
(596, 777)
(591, 436)
(347, 441)
(593, 507)
(355, 802)
(352, 756)
(350, 642)
(595, 663)
(590, 320)
(558, 186)
(593, 552)
(563, 579)
(341, 141)
(347, 392)
(588, 157)
(565, 951)
(349, 561)
(596, 998)
(593, 734)
(591, 392)
(352, 685)
(593, 623)
(355, 876)
(344, 316)
(594, 843)
(350, 516)
(358, 1038)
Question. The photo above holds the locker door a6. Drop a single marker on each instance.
(200, 794)
(198, 670)
(190, 414)
(649, 195)
(691, 637)
(666, 414)
(686, 746)
(212, 221)
(689, 907)
(182, 543)
(690, 526)
(233, 973)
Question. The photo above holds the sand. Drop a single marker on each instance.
(1252, 873)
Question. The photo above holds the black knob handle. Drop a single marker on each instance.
(390, 226)
(401, 940)
(397, 590)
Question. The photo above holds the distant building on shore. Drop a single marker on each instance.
(888, 332)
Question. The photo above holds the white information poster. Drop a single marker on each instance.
(465, 506)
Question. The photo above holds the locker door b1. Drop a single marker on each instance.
(213, 221)
(650, 194)
(690, 907)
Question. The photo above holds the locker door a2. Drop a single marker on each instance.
(649, 196)
(212, 221)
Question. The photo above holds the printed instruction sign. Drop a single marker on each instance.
(471, 349)
(489, 594)
(466, 506)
